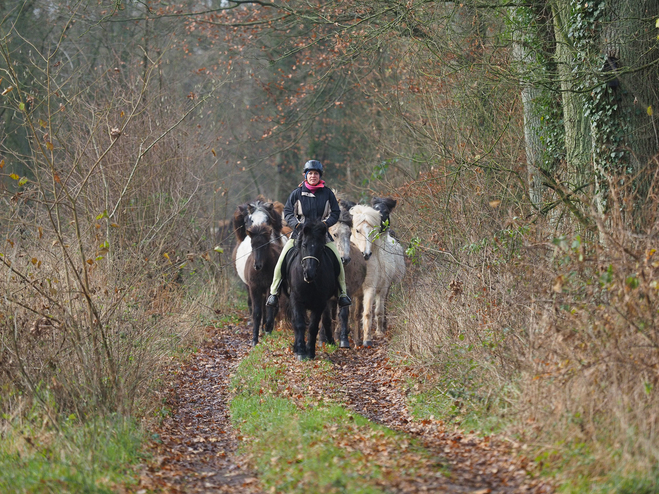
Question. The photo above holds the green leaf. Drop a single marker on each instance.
(21, 106)
(104, 214)
(104, 245)
(632, 282)
(219, 249)
(22, 181)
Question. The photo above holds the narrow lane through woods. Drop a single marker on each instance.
(196, 447)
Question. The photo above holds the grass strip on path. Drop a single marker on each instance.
(302, 439)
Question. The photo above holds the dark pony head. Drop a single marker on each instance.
(345, 216)
(384, 205)
(257, 212)
(311, 243)
(260, 236)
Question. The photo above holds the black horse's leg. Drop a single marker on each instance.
(249, 301)
(299, 328)
(334, 304)
(326, 335)
(313, 333)
(344, 316)
(323, 329)
(257, 313)
(269, 322)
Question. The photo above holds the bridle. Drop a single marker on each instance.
(310, 257)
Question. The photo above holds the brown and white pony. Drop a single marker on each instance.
(257, 270)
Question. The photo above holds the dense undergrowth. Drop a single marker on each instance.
(108, 273)
(547, 335)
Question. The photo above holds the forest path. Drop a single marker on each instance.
(197, 451)
(197, 447)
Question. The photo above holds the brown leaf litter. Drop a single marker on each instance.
(198, 448)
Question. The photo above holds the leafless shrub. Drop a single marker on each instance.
(98, 246)
(560, 328)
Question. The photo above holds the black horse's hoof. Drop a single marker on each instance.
(368, 343)
(301, 357)
(254, 342)
(344, 344)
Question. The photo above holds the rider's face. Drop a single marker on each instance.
(313, 177)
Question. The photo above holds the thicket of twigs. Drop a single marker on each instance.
(107, 264)
(539, 320)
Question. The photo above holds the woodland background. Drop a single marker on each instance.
(518, 137)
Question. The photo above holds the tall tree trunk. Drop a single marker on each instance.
(578, 147)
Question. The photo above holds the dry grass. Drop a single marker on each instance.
(107, 268)
(555, 331)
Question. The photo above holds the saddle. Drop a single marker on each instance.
(289, 258)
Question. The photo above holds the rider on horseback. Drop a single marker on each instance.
(311, 200)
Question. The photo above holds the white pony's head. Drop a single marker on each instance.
(365, 220)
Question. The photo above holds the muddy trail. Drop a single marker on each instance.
(195, 449)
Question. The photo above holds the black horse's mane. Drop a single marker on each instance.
(388, 203)
(345, 216)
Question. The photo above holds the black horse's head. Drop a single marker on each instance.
(384, 205)
(311, 243)
(260, 235)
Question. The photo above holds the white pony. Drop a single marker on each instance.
(385, 265)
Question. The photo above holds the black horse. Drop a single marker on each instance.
(310, 278)
(384, 205)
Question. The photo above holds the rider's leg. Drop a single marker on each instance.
(276, 280)
(343, 296)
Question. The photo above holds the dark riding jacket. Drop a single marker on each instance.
(303, 204)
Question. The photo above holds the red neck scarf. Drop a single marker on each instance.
(314, 188)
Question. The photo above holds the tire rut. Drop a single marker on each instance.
(197, 450)
(375, 388)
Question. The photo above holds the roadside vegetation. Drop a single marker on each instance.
(519, 141)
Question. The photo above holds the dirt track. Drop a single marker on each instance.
(196, 451)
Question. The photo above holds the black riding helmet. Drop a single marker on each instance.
(313, 165)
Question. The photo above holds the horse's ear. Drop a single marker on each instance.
(239, 222)
(306, 228)
(390, 202)
(251, 208)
